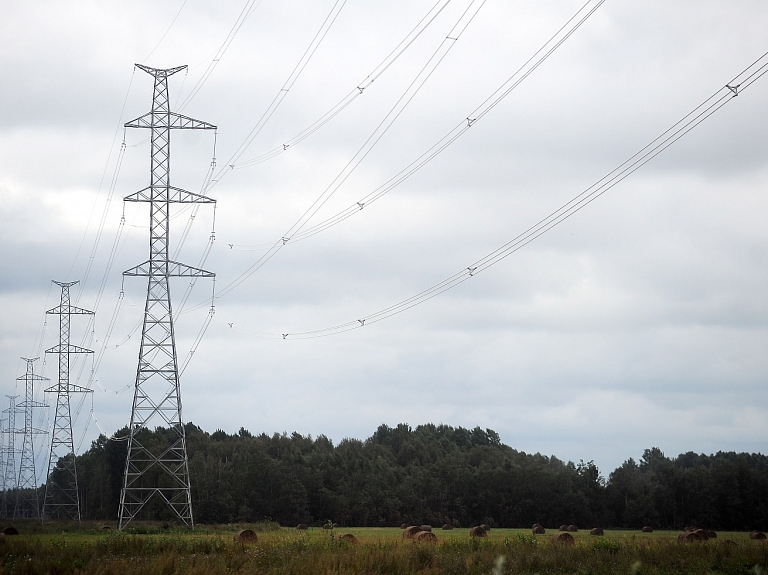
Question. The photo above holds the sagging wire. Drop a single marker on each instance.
(287, 85)
(691, 120)
(359, 89)
(465, 19)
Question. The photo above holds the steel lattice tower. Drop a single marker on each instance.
(62, 498)
(163, 470)
(27, 504)
(9, 464)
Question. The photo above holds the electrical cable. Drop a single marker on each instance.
(357, 91)
(103, 174)
(466, 18)
(184, 3)
(464, 125)
(700, 113)
(288, 84)
(247, 10)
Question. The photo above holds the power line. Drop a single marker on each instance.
(700, 113)
(465, 19)
(288, 84)
(359, 89)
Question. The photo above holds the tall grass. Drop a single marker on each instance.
(288, 552)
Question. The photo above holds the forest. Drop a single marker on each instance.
(435, 474)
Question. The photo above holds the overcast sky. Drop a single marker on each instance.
(641, 321)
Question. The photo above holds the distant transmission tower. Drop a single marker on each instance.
(9, 463)
(159, 470)
(27, 503)
(62, 498)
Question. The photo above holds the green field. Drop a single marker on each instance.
(162, 549)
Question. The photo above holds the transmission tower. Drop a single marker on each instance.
(62, 498)
(9, 463)
(27, 503)
(159, 470)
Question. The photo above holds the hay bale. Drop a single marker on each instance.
(702, 533)
(10, 531)
(327, 526)
(447, 527)
(409, 532)
(757, 535)
(105, 527)
(539, 530)
(349, 538)
(425, 537)
(427, 528)
(711, 534)
(403, 526)
(335, 525)
(647, 529)
(302, 527)
(596, 531)
(478, 532)
(486, 527)
(245, 536)
(535, 525)
(689, 537)
(573, 528)
(563, 528)
(563, 538)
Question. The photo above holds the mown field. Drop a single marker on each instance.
(162, 549)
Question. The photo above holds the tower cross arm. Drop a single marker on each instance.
(168, 120)
(71, 388)
(160, 71)
(69, 309)
(32, 377)
(174, 269)
(174, 195)
(58, 348)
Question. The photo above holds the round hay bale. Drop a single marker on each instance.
(573, 528)
(10, 531)
(327, 526)
(688, 537)
(563, 528)
(539, 530)
(105, 527)
(409, 532)
(757, 535)
(647, 529)
(302, 527)
(447, 527)
(563, 538)
(245, 536)
(535, 525)
(403, 526)
(702, 533)
(478, 532)
(486, 527)
(711, 534)
(425, 537)
(596, 531)
(349, 538)
(427, 528)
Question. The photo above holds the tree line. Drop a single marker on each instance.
(435, 474)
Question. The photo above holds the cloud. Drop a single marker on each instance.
(640, 321)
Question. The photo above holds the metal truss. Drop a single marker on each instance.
(9, 463)
(159, 470)
(62, 498)
(27, 503)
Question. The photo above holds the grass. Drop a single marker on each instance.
(166, 550)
